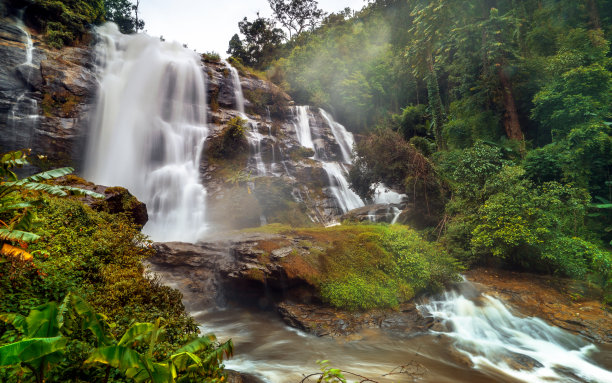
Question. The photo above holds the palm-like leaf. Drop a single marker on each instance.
(17, 235)
(15, 206)
(29, 350)
(138, 332)
(16, 252)
(200, 344)
(121, 357)
(48, 175)
(15, 320)
(43, 321)
(89, 319)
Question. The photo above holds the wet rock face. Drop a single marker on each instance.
(236, 269)
(372, 213)
(45, 103)
(325, 321)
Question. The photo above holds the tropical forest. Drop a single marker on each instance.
(348, 191)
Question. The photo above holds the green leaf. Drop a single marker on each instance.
(48, 175)
(90, 320)
(120, 357)
(17, 235)
(43, 321)
(15, 320)
(29, 350)
(138, 332)
(199, 344)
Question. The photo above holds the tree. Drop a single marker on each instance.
(297, 15)
(261, 41)
(124, 14)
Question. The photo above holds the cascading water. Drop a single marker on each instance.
(302, 127)
(345, 198)
(339, 187)
(253, 136)
(23, 115)
(343, 137)
(524, 348)
(149, 130)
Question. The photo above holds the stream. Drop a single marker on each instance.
(484, 341)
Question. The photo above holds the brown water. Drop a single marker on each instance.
(274, 352)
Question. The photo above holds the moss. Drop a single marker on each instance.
(61, 104)
(231, 142)
(361, 267)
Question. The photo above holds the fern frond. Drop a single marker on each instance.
(48, 175)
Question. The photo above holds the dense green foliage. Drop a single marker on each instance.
(361, 267)
(50, 329)
(67, 22)
(494, 116)
(54, 246)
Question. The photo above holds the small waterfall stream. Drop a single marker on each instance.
(523, 348)
(254, 137)
(346, 199)
(483, 331)
(149, 130)
(23, 115)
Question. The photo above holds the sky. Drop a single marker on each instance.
(208, 25)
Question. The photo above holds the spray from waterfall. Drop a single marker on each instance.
(149, 130)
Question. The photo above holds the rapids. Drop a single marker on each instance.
(479, 339)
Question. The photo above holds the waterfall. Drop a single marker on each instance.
(237, 87)
(254, 137)
(345, 198)
(343, 137)
(525, 348)
(23, 115)
(149, 130)
(302, 127)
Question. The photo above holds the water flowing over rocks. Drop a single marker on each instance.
(570, 305)
(236, 269)
(45, 95)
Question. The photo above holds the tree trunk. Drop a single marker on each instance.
(594, 14)
(435, 104)
(511, 119)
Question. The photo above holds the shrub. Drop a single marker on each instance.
(374, 266)
(231, 141)
(64, 22)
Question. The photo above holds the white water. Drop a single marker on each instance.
(253, 136)
(339, 187)
(302, 127)
(345, 198)
(149, 130)
(343, 137)
(23, 115)
(237, 87)
(384, 195)
(492, 337)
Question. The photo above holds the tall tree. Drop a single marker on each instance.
(261, 40)
(125, 14)
(297, 15)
